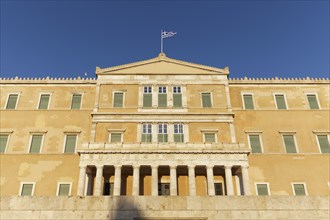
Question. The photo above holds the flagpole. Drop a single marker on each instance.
(161, 40)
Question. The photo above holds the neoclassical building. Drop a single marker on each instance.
(164, 127)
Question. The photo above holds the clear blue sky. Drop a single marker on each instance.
(253, 38)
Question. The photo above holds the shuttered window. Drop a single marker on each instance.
(116, 138)
(118, 100)
(209, 137)
(255, 143)
(12, 101)
(44, 101)
(162, 133)
(64, 189)
(206, 100)
(248, 102)
(146, 133)
(76, 101)
(177, 97)
(27, 189)
(3, 142)
(312, 101)
(162, 96)
(262, 189)
(323, 143)
(36, 143)
(178, 133)
(147, 97)
(70, 143)
(280, 102)
(218, 189)
(289, 143)
(299, 189)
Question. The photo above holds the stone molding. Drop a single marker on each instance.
(47, 80)
(277, 80)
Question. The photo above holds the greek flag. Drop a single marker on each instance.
(168, 34)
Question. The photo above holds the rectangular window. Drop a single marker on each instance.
(323, 142)
(147, 97)
(262, 189)
(27, 189)
(177, 97)
(146, 133)
(289, 143)
(35, 145)
(76, 101)
(12, 101)
(255, 144)
(108, 189)
(70, 143)
(218, 189)
(248, 101)
(162, 97)
(206, 100)
(64, 189)
(3, 142)
(299, 189)
(164, 189)
(312, 101)
(162, 133)
(280, 101)
(44, 101)
(116, 137)
(209, 138)
(118, 100)
(178, 133)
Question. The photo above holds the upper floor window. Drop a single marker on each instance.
(323, 142)
(147, 97)
(299, 189)
(76, 101)
(162, 133)
(248, 101)
(206, 100)
(118, 99)
(312, 101)
(27, 189)
(64, 189)
(116, 137)
(146, 133)
(70, 143)
(44, 101)
(177, 97)
(280, 101)
(178, 133)
(289, 143)
(12, 101)
(262, 189)
(255, 144)
(209, 138)
(36, 142)
(3, 142)
(162, 96)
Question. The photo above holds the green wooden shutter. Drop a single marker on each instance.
(70, 143)
(44, 99)
(118, 100)
(312, 102)
(248, 102)
(209, 137)
(162, 100)
(162, 138)
(35, 144)
(115, 137)
(255, 143)
(289, 144)
(262, 189)
(76, 101)
(147, 100)
(299, 189)
(27, 190)
(324, 143)
(3, 142)
(280, 102)
(146, 138)
(179, 138)
(177, 100)
(12, 99)
(64, 190)
(206, 100)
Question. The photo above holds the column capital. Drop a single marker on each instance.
(82, 166)
(209, 166)
(99, 166)
(245, 166)
(173, 167)
(136, 166)
(154, 166)
(117, 166)
(191, 166)
(228, 166)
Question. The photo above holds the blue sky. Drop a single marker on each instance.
(253, 38)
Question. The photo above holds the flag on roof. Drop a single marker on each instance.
(166, 34)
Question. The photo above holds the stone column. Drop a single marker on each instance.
(155, 96)
(154, 180)
(173, 183)
(246, 181)
(192, 180)
(232, 132)
(229, 181)
(81, 183)
(98, 180)
(210, 181)
(170, 132)
(136, 180)
(154, 133)
(117, 183)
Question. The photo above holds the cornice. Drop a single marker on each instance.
(277, 80)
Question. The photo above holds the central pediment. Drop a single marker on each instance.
(162, 65)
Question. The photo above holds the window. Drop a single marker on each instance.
(162, 133)
(262, 189)
(178, 133)
(164, 189)
(206, 100)
(248, 101)
(70, 143)
(116, 138)
(44, 101)
(289, 143)
(177, 97)
(35, 145)
(280, 101)
(218, 189)
(323, 142)
(12, 101)
(162, 97)
(118, 99)
(146, 133)
(27, 189)
(64, 189)
(209, 138)
(299, 189)
(108, 188)
(147, 97)
(255, 145)
(312, 101)
(76, 101)
(3, 142)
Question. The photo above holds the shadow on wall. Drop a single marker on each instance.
(125, 209)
